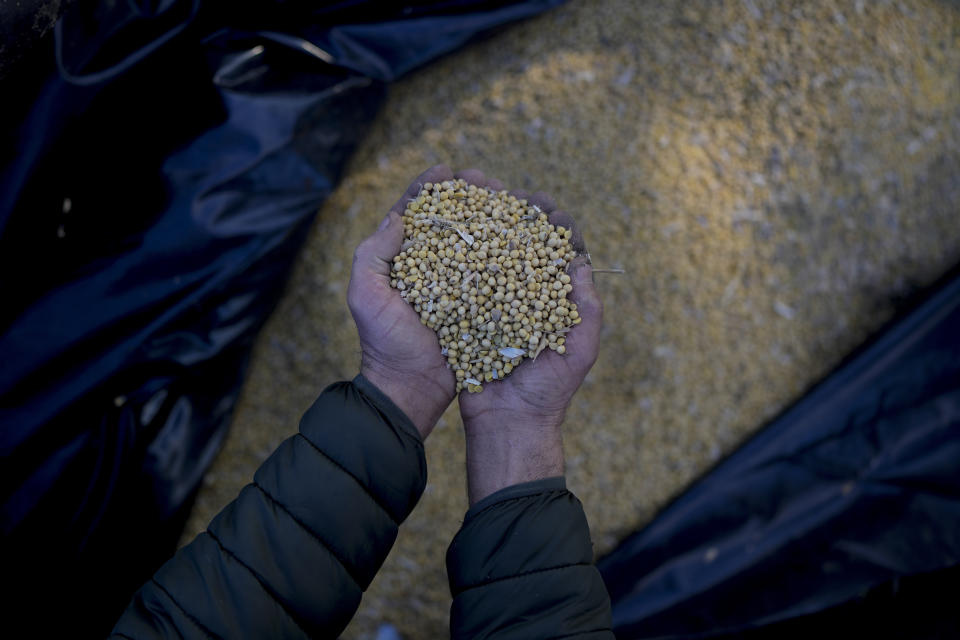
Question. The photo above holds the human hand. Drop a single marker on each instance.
(513, 426)
(400, 356)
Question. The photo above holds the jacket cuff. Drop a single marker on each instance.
(517, 534)
(358, 428)
(393, 413)
(522, 567)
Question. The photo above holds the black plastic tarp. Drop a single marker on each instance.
(159, 167)
(841, 515)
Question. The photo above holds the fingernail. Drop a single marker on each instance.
(384, 223)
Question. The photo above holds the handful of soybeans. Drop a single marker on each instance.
(487, 272)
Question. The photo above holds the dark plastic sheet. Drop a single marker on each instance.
(819, 522)
(160, 165)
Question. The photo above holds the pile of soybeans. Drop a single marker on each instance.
(487, 272)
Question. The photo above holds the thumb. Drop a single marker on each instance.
(584, 339)
(375, 254)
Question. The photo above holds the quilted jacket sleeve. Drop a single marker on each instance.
(291, 556)
(521, 567)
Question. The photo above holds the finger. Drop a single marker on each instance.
(544, 201)
(374, 256)
(480, 179)
(493, 183)
(437, 173)
(563, 219)
(472, 176)
(584, 338)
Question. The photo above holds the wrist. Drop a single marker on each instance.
(421, 398)
(495, 421)
(501, 455)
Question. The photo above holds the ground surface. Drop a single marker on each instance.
(774, 178)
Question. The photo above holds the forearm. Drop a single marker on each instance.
(498, 458)
(287, 557)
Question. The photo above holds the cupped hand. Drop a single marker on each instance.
(400, 355)
(513, 425)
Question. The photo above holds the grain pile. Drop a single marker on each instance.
(774, 178)
(487, 272)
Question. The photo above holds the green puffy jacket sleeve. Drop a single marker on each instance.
(291, 556)
(521, 567)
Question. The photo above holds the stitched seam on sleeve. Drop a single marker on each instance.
(261, 581)
(499, 503)
(365, 488)
(401, 429)
(186, 613)
(521, 575)
(582, 633)
(317, 536)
